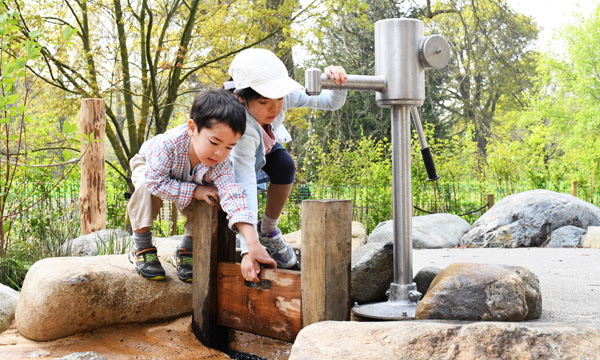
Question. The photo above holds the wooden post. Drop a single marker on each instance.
(490, 200)
(326, 251)
(574, 188)
(212, 240)
(92, 192)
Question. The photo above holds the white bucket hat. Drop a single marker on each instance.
(262, 71)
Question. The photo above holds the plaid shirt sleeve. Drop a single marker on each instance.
(163, 157)
(232, 198)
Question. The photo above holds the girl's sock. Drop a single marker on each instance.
(142, 241)
(187, 243)
(268, 225)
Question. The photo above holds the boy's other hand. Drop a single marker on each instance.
(251, 262)
(207, 193)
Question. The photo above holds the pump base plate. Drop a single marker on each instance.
(388, 310)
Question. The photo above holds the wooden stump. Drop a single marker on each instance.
(326, 253)
(92, 192)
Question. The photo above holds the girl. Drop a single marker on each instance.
(261, 82)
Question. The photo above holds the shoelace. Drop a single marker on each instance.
(151, 257)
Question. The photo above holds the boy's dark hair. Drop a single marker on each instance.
(219, 106)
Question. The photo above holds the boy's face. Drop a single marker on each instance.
(264, 110)
(210, 146)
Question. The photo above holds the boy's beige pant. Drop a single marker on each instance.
(143, 207)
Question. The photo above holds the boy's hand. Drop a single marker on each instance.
(257, 254)
(207, 193)
(337, 73)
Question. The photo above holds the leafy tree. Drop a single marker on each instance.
(492, 63)
(22, 171)
(147, 57)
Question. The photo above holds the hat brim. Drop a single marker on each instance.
(277, 88)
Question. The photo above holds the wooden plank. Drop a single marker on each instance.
(271, 308)
(326, 254)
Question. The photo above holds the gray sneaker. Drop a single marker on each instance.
(280, 251)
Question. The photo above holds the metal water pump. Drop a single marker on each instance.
(402, 53)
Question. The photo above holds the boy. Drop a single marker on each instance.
(191, 162)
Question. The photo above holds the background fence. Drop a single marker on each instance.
(371, 205)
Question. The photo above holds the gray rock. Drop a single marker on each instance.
(64, 296)
(529, 218)
(383, 233)
(433, 231)
(113, 241)
(424, 278)
(8, 303)
(90, 355)
(372, 271)
(426, 340)
(566, 236)
(475, 292)
(438, 231)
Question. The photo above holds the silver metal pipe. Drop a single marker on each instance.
(402, 194)
(315, 81)
(418, 126)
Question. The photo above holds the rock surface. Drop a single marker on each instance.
(8, 304)
(371, 272)
(566, 236)
(63, 296)
(415, 340)
(433, 231)
(527, 219)
(481, 292)
(592, 237)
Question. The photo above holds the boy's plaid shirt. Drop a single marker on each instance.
(166, 156)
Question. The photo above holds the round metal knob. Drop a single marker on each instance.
(435, 52)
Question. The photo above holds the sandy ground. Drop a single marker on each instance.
(569, 282)
(173, 340)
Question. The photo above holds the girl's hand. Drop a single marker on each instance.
(207, 193)
(337, 73)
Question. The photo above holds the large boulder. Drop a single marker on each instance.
(103, 242)
(475, 292)
(359, 237)
(529, 218)
(8, 303)
(433, 231)
(64, 296)
(416, 340)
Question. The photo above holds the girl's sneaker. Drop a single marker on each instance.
(278, 248)
(147, 264)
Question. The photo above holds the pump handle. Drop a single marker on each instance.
(429, 165)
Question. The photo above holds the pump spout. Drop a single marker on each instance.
(315, 81)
